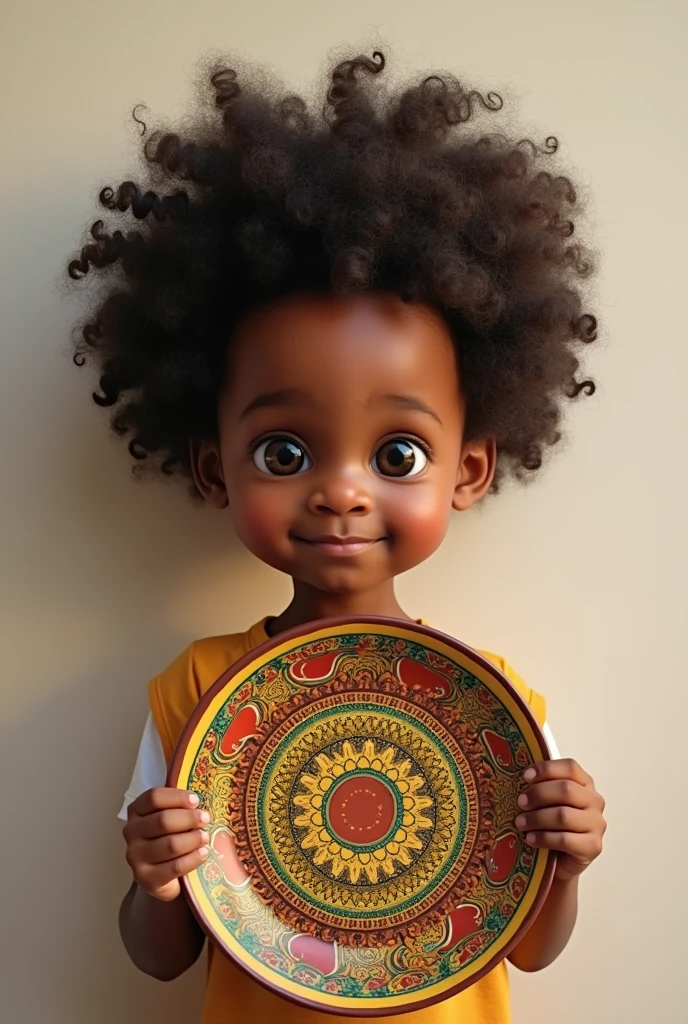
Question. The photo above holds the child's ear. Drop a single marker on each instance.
(207, 472)
(476, 473)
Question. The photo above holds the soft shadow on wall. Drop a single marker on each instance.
(110, 599)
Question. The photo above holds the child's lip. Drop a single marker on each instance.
(332, 545)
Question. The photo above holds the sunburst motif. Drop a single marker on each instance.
(363, 811)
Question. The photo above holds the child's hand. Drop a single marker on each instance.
(563, 812)
(165, 840)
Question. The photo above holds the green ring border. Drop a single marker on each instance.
(407, 904)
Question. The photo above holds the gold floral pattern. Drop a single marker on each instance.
(402, 843)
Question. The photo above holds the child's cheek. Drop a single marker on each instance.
(259, 520)
(420, 524)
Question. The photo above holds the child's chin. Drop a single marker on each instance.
(341, 581)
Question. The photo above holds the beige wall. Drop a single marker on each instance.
(580, 581)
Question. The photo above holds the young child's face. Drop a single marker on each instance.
(340, 448)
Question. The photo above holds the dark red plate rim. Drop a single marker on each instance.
(304, 632)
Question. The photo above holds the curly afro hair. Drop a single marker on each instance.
(394, 191)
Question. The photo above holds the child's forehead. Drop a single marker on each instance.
(373, 344)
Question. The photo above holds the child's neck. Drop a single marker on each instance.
(309, 604)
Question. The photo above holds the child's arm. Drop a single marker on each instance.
(564, 812)
(162, 939)
(165, 840)
(552, 929)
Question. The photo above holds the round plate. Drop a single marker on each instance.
(362, 782)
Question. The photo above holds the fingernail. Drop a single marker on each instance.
(530, 839)
(203, 852)
(193, 800)
(521, 821)
(529, 774)
(522, 800)
(205, 817)
(204, 837)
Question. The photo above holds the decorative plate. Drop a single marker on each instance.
(362, 782)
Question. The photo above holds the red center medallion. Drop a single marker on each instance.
(361, 809)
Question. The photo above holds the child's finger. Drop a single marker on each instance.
(164, 823)
(559, 793)
(162, 798)
(160, 874)
(585, 846)
(565, 768)
(554, 819)
(171, 847)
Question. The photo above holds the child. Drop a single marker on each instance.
(339, 329)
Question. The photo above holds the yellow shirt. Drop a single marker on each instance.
(231, 996)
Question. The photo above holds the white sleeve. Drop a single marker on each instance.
(150, 769)
(551, 742)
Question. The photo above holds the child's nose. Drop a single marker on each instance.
(340, 497)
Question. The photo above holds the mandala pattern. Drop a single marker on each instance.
(362, 812)
(362, 803)
(362, 784)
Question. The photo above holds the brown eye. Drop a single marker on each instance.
(281, 456)
(400, 457)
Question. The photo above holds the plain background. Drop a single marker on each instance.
(579, 580)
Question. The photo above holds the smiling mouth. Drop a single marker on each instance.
(340, 547)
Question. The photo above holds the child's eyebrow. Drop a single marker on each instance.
(411, 402)
(294, 396)
(274, 399)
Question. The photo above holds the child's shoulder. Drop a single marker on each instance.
(501, 663)
(535, 701)
(175, 692)
(204, 660)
